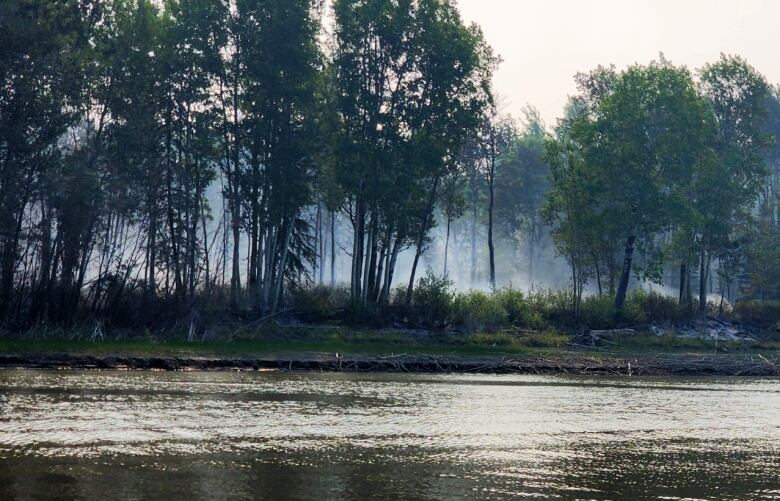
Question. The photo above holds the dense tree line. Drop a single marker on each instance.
(653, 167)
(160, 157)
(124, 121)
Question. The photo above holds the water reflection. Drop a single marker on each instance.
(305, 436)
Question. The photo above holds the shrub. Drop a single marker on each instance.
(554, 306)
(320, 301)
(433, 298)
(519, 310)
(598, 312)
(632, 315)
(762, 314)
(554, 340)
(477, 310)
(656, 307)
(491, 339)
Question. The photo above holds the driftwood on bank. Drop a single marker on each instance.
(564, 363)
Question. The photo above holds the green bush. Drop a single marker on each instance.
(519, 310)
(632, 315)
(761, 314)
(554, 306)
(491, 339)
(320, 301)
(656, 307)
(598, 312)
(553, 340)
(433, 299)
(477, 310)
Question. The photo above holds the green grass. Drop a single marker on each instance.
(341, 340)
(649, 343)
(332, 339)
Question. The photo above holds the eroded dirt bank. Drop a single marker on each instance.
(564, 363)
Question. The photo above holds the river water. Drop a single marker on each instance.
(198, 435)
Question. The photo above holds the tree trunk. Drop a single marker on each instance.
(282, 266)
(333, 248)
(473, 274)
(420, 239)
(531, 252)
(384, 299)
(357, 250)
(447, 245)
(703, 272)
(620, 297)
(598, 271)
(491, 182)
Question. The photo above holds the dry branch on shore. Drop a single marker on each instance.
(568, 363)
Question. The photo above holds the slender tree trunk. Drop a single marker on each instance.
(333, 248)
(598, 271)
(370, 242)
(235, 277)
(384, 299)
(421, 238)
(447, 245)
(322, 243)
(491, 191)
(357, 251)
(531, 249)
(620, 298)
(473, 229)
(282, 266)
(703, 271)
(206, 259)
(318, 257)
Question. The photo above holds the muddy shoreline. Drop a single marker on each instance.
(565, 363)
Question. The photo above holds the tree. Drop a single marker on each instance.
(405, 105)
(497, 137)
(453, 205)
(281, 106)
(641, 142)
(522, 184)
(727, 184)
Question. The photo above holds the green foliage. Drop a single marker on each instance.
(554, 306)
(433, 298)
(501, 339)
(764, 314)
(519, 309)
(320, 301)
(656, 307)
(646, 150)
(411, 80)
(598, 312)
(479, 311)
(511, 342)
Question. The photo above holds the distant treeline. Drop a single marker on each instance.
(123, 121)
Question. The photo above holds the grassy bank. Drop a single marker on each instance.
(242, 341)
(394, 352)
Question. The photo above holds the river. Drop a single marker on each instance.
(212, 435)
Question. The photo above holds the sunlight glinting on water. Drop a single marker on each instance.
(506, 434)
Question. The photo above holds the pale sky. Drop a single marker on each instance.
(545, 42)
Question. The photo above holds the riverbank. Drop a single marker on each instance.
(349, 349)
(550, 363)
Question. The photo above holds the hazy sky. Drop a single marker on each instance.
(545, 42)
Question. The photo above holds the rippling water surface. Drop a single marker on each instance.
(155, 435)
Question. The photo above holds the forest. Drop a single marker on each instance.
(167, 160)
